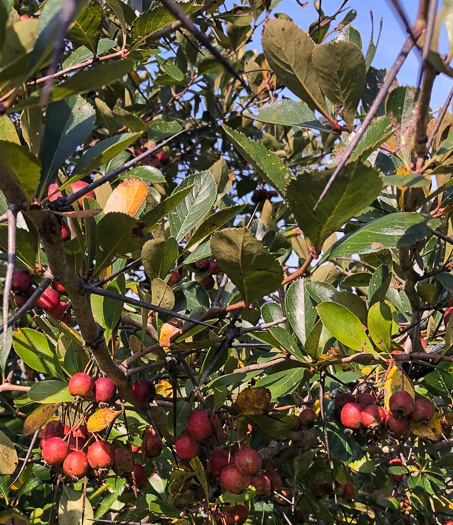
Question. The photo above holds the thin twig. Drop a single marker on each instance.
(12, 225)
(118, 272)
(325, 433)
(27, 457)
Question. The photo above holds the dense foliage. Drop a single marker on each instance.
(225, 272)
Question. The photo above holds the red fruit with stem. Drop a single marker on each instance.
(123, 462)
(262, 484)
(200, 424)
(143, 390)
(351, 416)
(233, 480)
(275, 479)
(104, 390)
(208, 282)
(59, 311)
(366, 399)
(248, 461)
(399, 426)
(101, 455)
(54, 426)
(307, 417)
(423, 410)
(343, 399)
(175, 278)
(218, 461)
(187, 447)
(214, 268)
(238, 513)
(81, 385)
(21, 282)
(76, 465)
(139, 475)
(80, 431)
(47, 436)
(80, 185)
(65, 232)
(49, 300)
(448, 315)
(371, 416)
(396, 462)
(151, 446)
(348, 491)
(55, 450)
(163, 157)
(58, 287)
(21, 299)
(401, 404)
(202, 265)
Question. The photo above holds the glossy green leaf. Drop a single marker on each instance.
(146, 173)
(380, 322)
(106, 311)
(282, 383)
(275, 427)
(82, 53)
(379, 131)
(50, 392)
(289, 112)
(8, 455)
(300, 311)
(379, 284)
(5, 9)
(159, 256)
(8, 131)
(20, 165)
(74, 507)
(86, 28)
(161, 210)
(200, 472)
(36, 351)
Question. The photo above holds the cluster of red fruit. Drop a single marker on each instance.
(162, 158)
(364, 412)
(209, 267)
(49, 301)
(261, 194)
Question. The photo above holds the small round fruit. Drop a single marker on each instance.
(351, 416)
(366, 399)
(396, 462)
(163, 157)
(151, 446)
(238, 513)
(140, 475)
(371, 416)
(233, 480)
(58, 287)
(101, 455)
(401, 404)
(218, 460)
(55, 450)
(80, 185)
(59, 311)
(214, 268)
(348, 491)
(53, 193)
(81, 385)
(262, 484)
(208, 282)
(54, 426)
(175, 277)
(307, 417)
(343, 399)
(200, 424)
(47, 436)
(423, 410)
(202, 265)
(21, 282)
(143, 390)
(76, 465)
(65, 232)
(187, 447)
(248, 461)
(259, 195)
(80, 431)
(49, 300)
(104, 390)
(123, 462)
(275, 479)
(399, 426)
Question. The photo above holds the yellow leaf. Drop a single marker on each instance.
(127, 198)
(168, 329)
(396, 381)
(164, 389)
(38, 417)
(102, 419)
(253, 401)
(432, 429)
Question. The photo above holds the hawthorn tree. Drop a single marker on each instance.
(226, 272)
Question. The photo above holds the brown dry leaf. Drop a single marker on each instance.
(102, 419)
(432, 429)
(127, 198)
(253, 401)
(38, 417)
(396, 381)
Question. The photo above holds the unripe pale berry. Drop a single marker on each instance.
(76, 465)
(187, 447)
(81, 385)
(101, 455)
(104, 390)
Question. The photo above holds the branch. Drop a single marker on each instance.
(150, 330)
(12, 225)
(439, 120)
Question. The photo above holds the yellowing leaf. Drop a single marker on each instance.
(164, 389)
(127, 198)
(168, 329)
(253, 401)
(432, 429)
(38, 417)
(396, 381)
(8, 455)
(102, 419)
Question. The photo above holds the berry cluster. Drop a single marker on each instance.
(206, 268)
(261, 194)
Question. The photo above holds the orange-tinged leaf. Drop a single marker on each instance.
(38, 417)
(396, 380)
(127, 198)
(168, 329)
(253, 401)
(164, 389)
(102, 419)
(432, 429)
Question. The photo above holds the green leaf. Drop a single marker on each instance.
(86, 27)
(249, 265)
(340, 70)
(283, 383)
(199, 470)
(50, 391)
(288, 49)
(380, 320)
(300, 311)
(35, 350)
(8, 455)
(376, 134)
(379, 284)
(146, 173)
(5, 8)
(344, 326)
(8, 131)
(151, 218)
(159, 256)
(213, 223)
(275, 427)
(161, 129)
(412, 180)
(161, 294)
(20, 165)
(267, 164)
(74, 507)
(129, 236)
(106, 311)
(82, 53)
(190, 211)
(355, 187)
(101, 153)
(68, 123)
(391, 231)
(173, 71)
(288, 112)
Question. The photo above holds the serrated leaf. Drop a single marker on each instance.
(300, 311)
(148, 174)
(159, 256)
(38, 418)
(249, 265)
(86, 27)
(50, 391)
(355, 187)
(151, 218)
(127, 197)
(379, 131)
(267, 164)
(8, 455)
(380, 320)
(74, 508)
(344, 326)
(20, 165)
(289, 112)
(34, 349)
(282, 383)
(195, 206)
(101, 419)
(396, 380)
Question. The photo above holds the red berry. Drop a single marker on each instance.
(400, 427)
(187, 447)
(371, 416)
(248, 461)
(218, 461)
(76, 465)
(54, 426)
(59, 311)
(175, 278)
(151, 445)
(101, 455)
(21, 282)
(76, 443)
(214, 268)
(271, 194)
(343, 399)
(104, 390)
(351, 416)
(21, 299)
(65, 232)
(141, 479)
(47, 436)
(202, 265)
(366, 399)
(163, 157)
(80, 431)
(423, 410)
(49, 300)
(401, 404)
(233, 480)
(348, 491)
(51, 190)
(80, 185)
(307, 417)
(396, 462)
(67, 317)
(208, 282)
(123, 462)
(275, 479)
(58, 287)
(200, 424)
(259, 195)
(55, 450)
(262, 484)
(24, 17)
(143, 390)
(448, 314)
(81, 385)
(238, 513)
